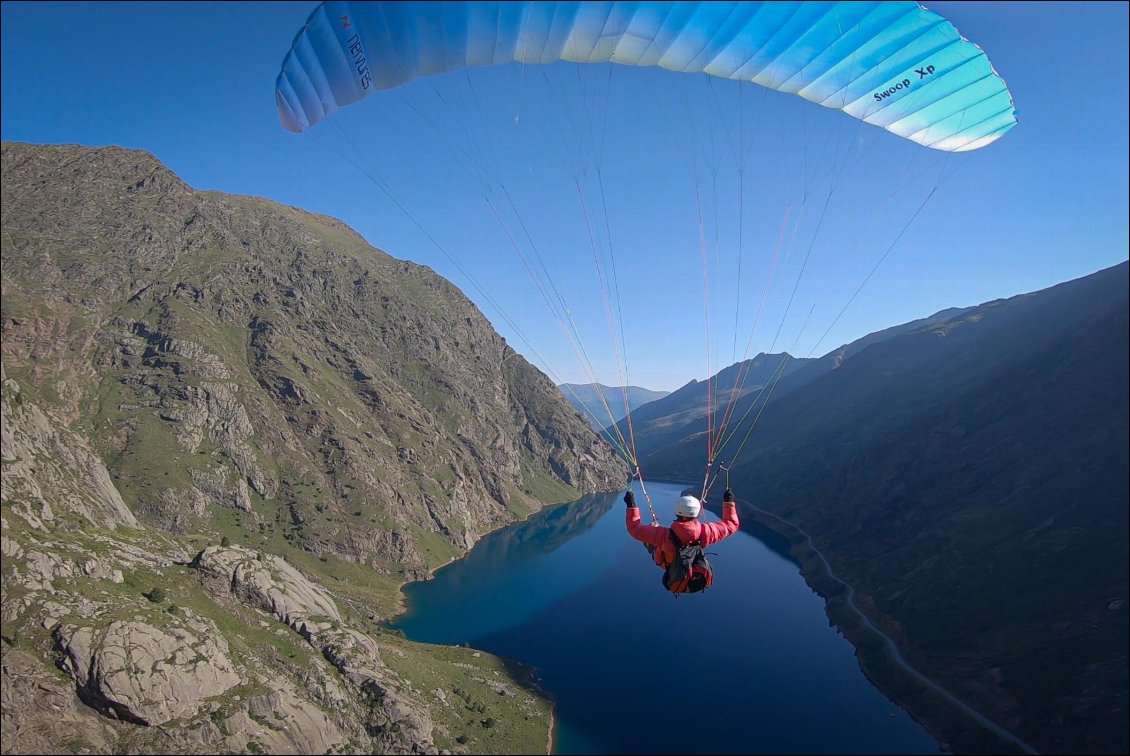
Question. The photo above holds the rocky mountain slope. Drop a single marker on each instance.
(230, 430)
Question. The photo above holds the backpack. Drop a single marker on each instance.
(689, 572)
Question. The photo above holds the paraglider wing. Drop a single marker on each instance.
(895, 65)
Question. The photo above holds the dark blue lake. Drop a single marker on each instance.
(751, 666)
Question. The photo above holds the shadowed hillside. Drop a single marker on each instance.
(969, 480)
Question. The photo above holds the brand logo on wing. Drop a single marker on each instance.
(904, 84)
(360, 61)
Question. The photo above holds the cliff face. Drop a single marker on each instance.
(186, 369)
(231, 357)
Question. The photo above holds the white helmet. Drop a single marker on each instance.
(688, 506)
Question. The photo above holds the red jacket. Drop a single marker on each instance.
(686, 530)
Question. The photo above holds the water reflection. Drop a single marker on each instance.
(542, 533)
(509, 576)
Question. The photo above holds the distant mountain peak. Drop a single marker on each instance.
(586, 399)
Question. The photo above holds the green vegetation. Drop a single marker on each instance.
(436, 549)
(545, 488)
(469, 682)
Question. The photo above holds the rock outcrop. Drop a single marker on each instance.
(230, 431)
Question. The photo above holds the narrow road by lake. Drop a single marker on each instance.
(894, 651)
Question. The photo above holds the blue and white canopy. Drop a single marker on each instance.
(895, 65)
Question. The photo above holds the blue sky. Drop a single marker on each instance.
(781, 224)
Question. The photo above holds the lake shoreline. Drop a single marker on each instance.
(401, 605)
(402, 608)
(952, 729)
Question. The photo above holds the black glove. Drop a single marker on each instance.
(630, 499)
(728, 496)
